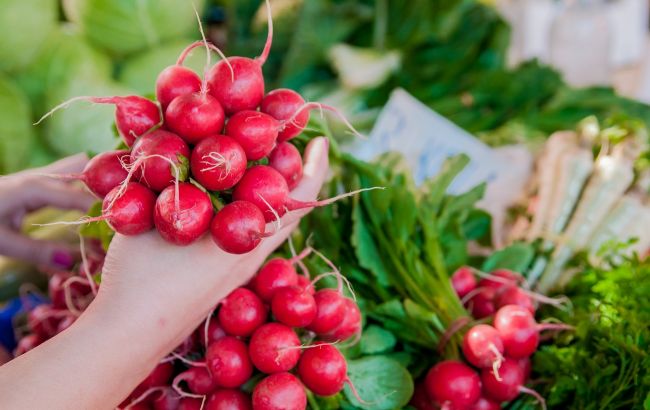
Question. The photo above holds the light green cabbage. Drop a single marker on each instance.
(16, 131)
(123, 27)
(66, 55)
(25, 25)
(140, 72)
(82, 127)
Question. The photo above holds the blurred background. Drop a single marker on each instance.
(506, 71)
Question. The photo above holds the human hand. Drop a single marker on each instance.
(26, 191)
(154, 282)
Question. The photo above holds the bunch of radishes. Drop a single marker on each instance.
(217, 142)
(70, 293)
(499, 353)
(242, 348)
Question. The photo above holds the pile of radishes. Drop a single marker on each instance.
(69, 293)
(211, 154)
(267, 342)
(497, 356)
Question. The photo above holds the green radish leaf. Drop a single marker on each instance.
(97, 230)
(377, 340)
(478, 226)
(381, 382)
(516, 257)
(365, 247)
(183, 165)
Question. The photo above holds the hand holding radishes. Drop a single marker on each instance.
(25, 192)
(209, 132)
(152, 295)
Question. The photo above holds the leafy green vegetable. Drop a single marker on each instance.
(66, 56)
(123, 27)
(16, 131)
(25, 26)
(377, 340)
(97, 230)
(381, 382)
(405, 242)
(82, 126)
(605, 363)
(516, 257)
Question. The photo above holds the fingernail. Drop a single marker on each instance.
(62, 258)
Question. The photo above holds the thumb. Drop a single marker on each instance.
(39, 252)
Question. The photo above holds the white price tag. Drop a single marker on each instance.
(426, 139)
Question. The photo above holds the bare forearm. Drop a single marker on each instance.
(95, 364)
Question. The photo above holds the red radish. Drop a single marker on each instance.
(513, 295)
(228, 361)
(483, 347)
(237, 82)
(480, 302)
(286, 159)
(195, 116)
(215, 331)
(43, 320)
(279, 391)
(134, 115)
(510, 385)
(293, 306)
(168, 399)
(153, 155)
(282, 104)
(330, 308)
(182, 216)
(351, 324)
(526, 367)
(139, 406)
(189, 344)
(274, 348)
(255, 131)
(518, 330)
(323, 369)
(159, 376)
(190, 403)
(130, 213)
(267, 189)
(499, 279)
(463, 281)
(305, 283)
(57, 288)
(420, 399)
(65, 323)
(452, 383)
(102, 173)
(275, 274)
(238, 227)
(105, 171)
(218, 162)
(484, 403)
(242, 311)
(198, 380)
(225, 399)
(177, 80)
(27, 343)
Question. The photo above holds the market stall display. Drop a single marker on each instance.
(416, 305)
